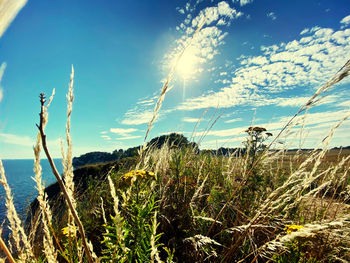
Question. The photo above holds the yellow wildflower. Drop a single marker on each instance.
(71, 233)
(292, 228)
(133, 175)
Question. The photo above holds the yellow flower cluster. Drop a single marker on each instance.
(134, 175)
(292, 228)
(71, 233)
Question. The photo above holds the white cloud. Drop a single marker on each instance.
(129, 137)
(233, 120)
(137, 117)
(181, 10)
(2, 70)
(16, 139)
(243, 2)
(106, 137)
(305, 30)
(191, 120)
(307, 62)
(345, 21)
(317, 126)
(292, 102)
(204, 46)
(122, 132)
(147, 101)
(344, 104)
(271, 15)
(104, 132)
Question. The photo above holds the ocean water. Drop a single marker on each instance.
(19, 175)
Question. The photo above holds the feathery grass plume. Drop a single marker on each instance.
(10, 209)
(118, 219)
(49, 249)
(154, 249)
(67, 159)
(8, 11)
(68, 168)
(203, 245)
(166, 88)
(15, 223)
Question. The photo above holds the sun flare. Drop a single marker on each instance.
(188, 64)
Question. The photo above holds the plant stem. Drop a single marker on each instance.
(6, 250)
(60, 182)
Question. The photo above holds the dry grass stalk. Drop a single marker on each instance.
(60, 181)
(15, 223)
(154, 250)
(68, 167)
(118, 218)
(49, 249)
(8, 11)
(6, 251)
(166, 88)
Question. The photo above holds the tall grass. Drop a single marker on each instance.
(188, 206)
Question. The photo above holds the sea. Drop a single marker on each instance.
(19, 173)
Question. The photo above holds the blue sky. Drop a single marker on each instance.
(254, 61)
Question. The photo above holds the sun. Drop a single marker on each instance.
(188, 64)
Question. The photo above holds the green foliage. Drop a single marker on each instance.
(295, 254)
(173, 139)
(129, 236)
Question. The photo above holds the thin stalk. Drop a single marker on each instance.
(60, 181)
(6, 250)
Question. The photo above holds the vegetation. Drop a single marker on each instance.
(173, 139)
(172, 203)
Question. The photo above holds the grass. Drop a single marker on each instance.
(188, 206)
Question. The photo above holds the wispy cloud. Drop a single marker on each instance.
(24, 140)
(190, 120)
(271, 15)
(242, 2)
(16, 139)
(2, 70)
(137, 116)
(203, 47)
(233, 120)
(316, 126)
(122, 131)
(147, 101)
(129, 137)
(345, 21)
(307, 62)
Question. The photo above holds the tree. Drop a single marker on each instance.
(173, 139)
(255, 142)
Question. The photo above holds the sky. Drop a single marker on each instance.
(245, 63)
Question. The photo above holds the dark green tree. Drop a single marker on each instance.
(255, 141)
